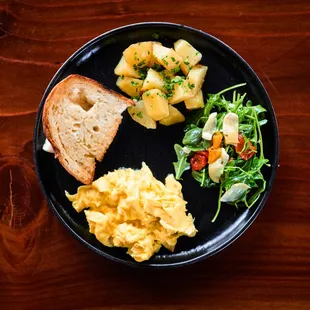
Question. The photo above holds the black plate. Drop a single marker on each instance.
(134, 144)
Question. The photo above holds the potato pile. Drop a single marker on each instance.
(158, 77)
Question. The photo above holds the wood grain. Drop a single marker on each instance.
(43, 267)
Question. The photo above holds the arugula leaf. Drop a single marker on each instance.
(245, 128)
(181, 165)
(203, 178)
(259, 109)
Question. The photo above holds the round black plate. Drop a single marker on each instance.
(134, 144)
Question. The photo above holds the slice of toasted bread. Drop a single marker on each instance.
(80, 120)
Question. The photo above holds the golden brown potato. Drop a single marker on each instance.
(130, 86)
(196, 78)
(156, 104)
(195, 102)
(153, 80)
(153, 60)
(167, 57)
(181, 92)
(190, 55)
(123, 68)
(174, 117)
(138, 114)
(139, 54)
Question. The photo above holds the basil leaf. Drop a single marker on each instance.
(202, 146)
(193, 136)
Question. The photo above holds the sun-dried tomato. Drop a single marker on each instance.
(198, 161)
(248, 152)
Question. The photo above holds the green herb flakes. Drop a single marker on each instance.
(165, 61)
(175, 70)
(191, 85)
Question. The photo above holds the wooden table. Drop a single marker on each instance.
(43, 267)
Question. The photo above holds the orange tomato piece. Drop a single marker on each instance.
(217, 140)
(214, 154)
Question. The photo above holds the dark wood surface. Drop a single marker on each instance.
(43, 267)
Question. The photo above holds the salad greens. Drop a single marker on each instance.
(246, 158)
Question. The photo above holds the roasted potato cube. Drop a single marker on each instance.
(195, 102)
(153, 80)
(153, 60)
(139, 115)
(167, 57)
(181, 92)
(196, 78)
(130, 86)
(123, 68)
(190, 55)
(174, 117)
(139, 54)
(156, 104)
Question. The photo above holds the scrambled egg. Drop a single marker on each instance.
(132, 209)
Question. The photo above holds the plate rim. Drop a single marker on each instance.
(234, 236)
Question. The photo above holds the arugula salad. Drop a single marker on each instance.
(223, 147)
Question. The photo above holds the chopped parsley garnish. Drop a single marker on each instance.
(186, 62)
(169, 84)
(135, 56)
(178, 80)
(140, 114)
(122, 76)
(157, 67)
(148, 52)
(191, 85)
(141, 71)
(155, 36)
(147, 93)
(173, 59)
(175, 70)
(165, 61)
(134, 83)
(141, 63)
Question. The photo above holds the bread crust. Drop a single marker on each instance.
(60, 90)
